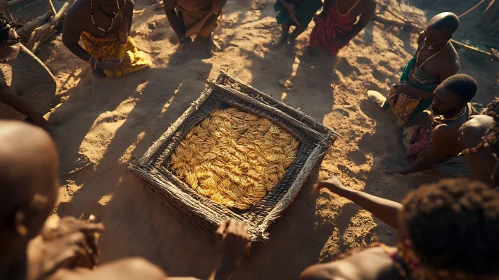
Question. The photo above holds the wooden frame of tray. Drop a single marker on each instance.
(227, 91)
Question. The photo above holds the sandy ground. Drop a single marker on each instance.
(104, 124)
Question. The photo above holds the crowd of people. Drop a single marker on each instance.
(446, 230)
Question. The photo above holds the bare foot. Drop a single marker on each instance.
(281, 40)
(214, 46)
(376, 97)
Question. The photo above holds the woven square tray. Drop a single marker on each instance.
(226, 92)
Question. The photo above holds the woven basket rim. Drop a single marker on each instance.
(209, 214)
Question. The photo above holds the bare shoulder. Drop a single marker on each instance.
(450, 58)
(368, 264)
(421, 38)
(130, 4)
(131, 268)
(78, 8)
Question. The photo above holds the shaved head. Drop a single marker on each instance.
(446, 21)
(28, 181)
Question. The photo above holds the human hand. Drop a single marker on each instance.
(402, 87)
(234, 241)
(292, 14)
(110, 65)
(331, 183)
(72, 244)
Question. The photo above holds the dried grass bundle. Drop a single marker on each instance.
(234, 158)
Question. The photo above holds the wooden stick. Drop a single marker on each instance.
(32, 25)
(408, 25)
(414, 27)
(4, 6)
(490, 54)
(43, 41)
(13, 2)
(51, 7)
(46, 29)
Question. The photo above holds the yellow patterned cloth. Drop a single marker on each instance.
(404, 106)
(107, 48)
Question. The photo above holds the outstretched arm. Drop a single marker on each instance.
(71, 35)
(22, 106)
(366, 17)
(386, 210)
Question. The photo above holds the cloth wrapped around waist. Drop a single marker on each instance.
(328, 28)
(108, 48)
(403, 106)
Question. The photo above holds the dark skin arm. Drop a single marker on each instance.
(291, 10)
(22, 106)
(386, 210)
(126, 25)
(173, 19)
(71, 35)
(404, 87)
(72, 244)
(366, 17)
(234, 242)
(432, 155)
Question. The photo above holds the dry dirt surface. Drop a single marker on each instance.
(102, 125)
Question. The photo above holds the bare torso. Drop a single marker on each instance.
(80, 18)
(442, 65)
